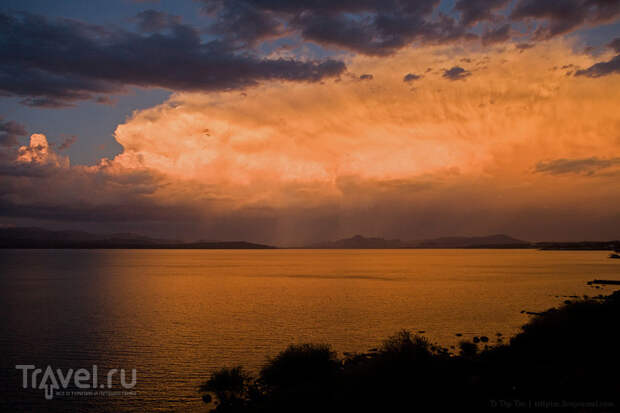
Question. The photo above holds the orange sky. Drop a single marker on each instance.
(519, 145)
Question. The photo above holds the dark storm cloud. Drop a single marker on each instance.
(42, 87)
(456, 73)
(587, 166)
(615, 44)
(563, 16)
(601, 68)
(10, 131)
(326, 7)
(410, 77)
(604, 68)
(381, 27)
(150, 21)
(20, 170)
(54, 63)
(380, 35)
(366, 76)
(111, 197)
(498, 35)
(241, 23)
(371, 27)
(474, 11)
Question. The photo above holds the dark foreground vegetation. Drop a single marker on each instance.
(564, 359)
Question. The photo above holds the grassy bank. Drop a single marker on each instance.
(564, 359)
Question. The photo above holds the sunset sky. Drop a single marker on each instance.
(290, 122)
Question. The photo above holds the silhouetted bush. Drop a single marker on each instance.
(567, 354)
(300, 365)
(230, 385)
(404, 345)
(468, 349)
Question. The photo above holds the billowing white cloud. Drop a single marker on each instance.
(38, 152)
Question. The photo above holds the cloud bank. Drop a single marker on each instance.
(517, 148)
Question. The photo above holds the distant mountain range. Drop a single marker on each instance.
(20, 237)
(491, 241)
(43, 238)
(497, 241)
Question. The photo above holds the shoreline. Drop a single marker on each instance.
(560, 359)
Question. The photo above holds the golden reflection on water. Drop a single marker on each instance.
(177, 314)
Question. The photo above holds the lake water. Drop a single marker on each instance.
(175, 315)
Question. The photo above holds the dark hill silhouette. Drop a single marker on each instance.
(580, 246)
(361, 242)
(43, 238)
(40, 234)
(491, 241)
(32, 237)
